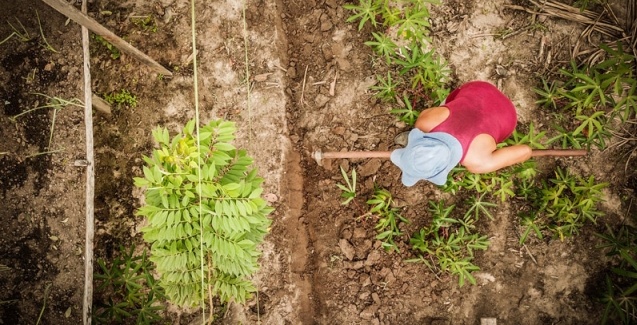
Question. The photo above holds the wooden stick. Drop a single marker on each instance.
(83, 19)
(87, 309)
(386, 154)
(558, 152)
(101, 105)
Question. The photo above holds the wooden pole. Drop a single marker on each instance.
(318, 155)
(558, 152)
(87, 309)
(83, 19)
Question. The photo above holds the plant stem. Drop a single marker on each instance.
(46, 294)
(48, 46)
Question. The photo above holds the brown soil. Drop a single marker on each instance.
(321, 263)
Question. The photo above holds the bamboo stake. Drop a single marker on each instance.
(83, 19)
(90, 179)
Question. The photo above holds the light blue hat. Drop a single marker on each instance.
(428, 156)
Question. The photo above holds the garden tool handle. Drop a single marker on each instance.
(356, 154)
(319, 155)
(558, 152)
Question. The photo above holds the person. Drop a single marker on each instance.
(465, 130)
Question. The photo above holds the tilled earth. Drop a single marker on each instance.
(309, 76)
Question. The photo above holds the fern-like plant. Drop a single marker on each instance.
(205, 214)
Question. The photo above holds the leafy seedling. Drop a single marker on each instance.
(383, 46)
(349, 189)
(122, 98)
(388, 218)
(365, 11)
(386, 88)
(406, 114)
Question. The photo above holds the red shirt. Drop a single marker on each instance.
(475, 108)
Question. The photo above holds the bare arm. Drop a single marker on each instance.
(491, 161)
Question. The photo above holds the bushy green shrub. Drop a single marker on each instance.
(205, 214)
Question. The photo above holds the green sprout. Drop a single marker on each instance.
(383, 45)
(367, 10)
(388, 218)
(349, 189)
(124, 97)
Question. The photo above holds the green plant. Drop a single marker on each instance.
(383, 46)
(406, 114)
(425, 68)
(365, 11)
(128, 290)
(620, 296)
(567, 139)
(386, 91)
(145, 23)
(57, 103)
(549, 95)
(531, 138)
(414, 23)
(422, 75)
(478, 207)
(124, 97)
(530, 222)
(563, 205)
(594, 95)
(115, 53)
(46, 43)
(22, 35)
(388, 218)
(349, 189)
(205, 214)
(447, 245)
(47, 289)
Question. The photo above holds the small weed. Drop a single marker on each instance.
(383, 46)
(129, 290)
(386, 88)
(46, 43)
(478, 207)
(57, 104)
(115, 53)
(549, 95)
(503, 32)
(47, 290)
(388, 218)
(414, 24)
(365, 11)
(145, 23)
(349, 189)
(407, 114)
(124, 97)
(22, 34)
